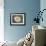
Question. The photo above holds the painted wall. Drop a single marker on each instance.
(43, 6)
(30, 7)
(1, 21)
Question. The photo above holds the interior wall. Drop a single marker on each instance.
(1, 20)
(43, 6)
(30, 7)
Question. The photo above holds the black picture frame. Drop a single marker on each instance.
(17, 19)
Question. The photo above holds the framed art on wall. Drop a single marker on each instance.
(17, 19)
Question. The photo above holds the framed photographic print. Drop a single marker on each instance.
(17, 19)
